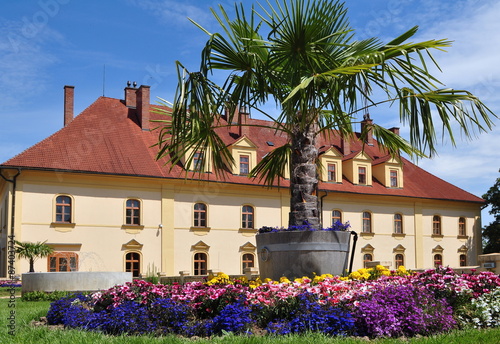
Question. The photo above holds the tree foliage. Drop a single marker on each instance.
(302, 55)
(491, 233)
(33, 251)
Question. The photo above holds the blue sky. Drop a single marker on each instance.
(47, 44)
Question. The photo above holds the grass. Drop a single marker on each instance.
(4, 292)
(26, 311)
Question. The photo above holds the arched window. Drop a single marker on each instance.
(133, 263)
(436, 225)
(438, 260)
(133, 212)
(398, 223)
(62, 261)
(367, 257)
(200, 264)
(463, 260)
(336, 216)
(200, 215)
(399, 260)
(461, 227)
(247, 261)
(367, 222)
(247, 216)
(63, 209)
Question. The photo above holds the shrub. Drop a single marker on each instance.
(405, 310)
(43, 296)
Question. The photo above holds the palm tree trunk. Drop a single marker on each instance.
(304, 206)
(32, 265)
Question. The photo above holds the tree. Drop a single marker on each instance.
(33, 251)
(302, 55)
(491, 233)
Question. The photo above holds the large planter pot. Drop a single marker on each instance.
(302, 253)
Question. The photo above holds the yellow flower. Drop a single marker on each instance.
(284, 279)
(380, 268)
(386, 273)
(363, 271)
(355, 275)
(365, 276)
(402, 270)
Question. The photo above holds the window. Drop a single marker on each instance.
(367, 257)
(198, 161)
(362, 175)
(247, 261)
(62, 262)
(399, 260)
(394, 178)
(200, 215)
(244, 164)
(336, 216)
(398, 223)
(436, 225)
(133, 263)
(461, 227)
(463, 260)
(200, 264)
(332, 177)
(132, 212)
(63, 209)
(438, 260)
(247, 217)
(367, 222)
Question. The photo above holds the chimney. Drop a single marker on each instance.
(69, 104)
(242, 119)
(143, 95)
(395, 130)
(367, 121)
(345, 145)
(130, 96)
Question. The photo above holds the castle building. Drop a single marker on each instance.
(96, 194)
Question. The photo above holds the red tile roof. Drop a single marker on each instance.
(106, 138)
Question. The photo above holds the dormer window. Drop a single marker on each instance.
(198, 161)
(332, 176)
(389, 171)
(362, 175)
(394, 178)
(244, 164)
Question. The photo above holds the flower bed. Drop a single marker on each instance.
(370, 302)
(337, 226)
(10, 284)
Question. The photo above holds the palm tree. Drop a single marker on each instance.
(301, 54)
(33, 251)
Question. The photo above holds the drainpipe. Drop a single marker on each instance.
(321, 208)
(13, 207)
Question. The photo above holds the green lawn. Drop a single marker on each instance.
(26, 334)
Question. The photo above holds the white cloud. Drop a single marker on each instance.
(23, 61)
(476, 46)
(175, 12)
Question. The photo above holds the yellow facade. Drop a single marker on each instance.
(167, 240)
